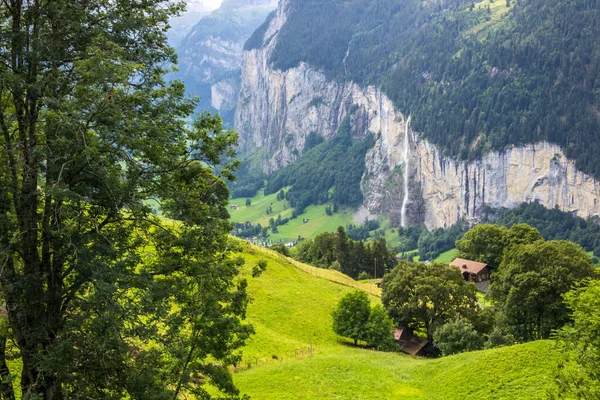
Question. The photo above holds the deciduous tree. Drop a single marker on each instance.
(426, 296)
(351, 317)
(104, 299)
(528, 287)
(457, 336)
(579, 372)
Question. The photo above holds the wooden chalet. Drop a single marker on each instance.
(472, 271)
(410, 343)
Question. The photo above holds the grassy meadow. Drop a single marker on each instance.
(295, 354)
(318, 220)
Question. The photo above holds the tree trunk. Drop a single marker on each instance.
(6, 387)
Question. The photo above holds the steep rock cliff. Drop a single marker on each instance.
(211, 54)
(278, 109)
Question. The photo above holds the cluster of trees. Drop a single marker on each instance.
(426, 296)
(249, 180)
(579, 371)
(553, 224)
(89, 131)
(530, 279)
(275, 222)
(337, 251)
(330, 171)
(248, 230)
(362, 232)
(533, 77)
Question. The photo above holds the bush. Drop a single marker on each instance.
(457, 336)
(379, 330)
(499, 338)
(363, 276)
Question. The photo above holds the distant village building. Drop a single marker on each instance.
(410, 343)
(379, 283)
(234, 206)
(472, 271)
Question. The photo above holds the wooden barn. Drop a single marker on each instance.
(472, 271)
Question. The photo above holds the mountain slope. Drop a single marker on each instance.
(210, 55)
(458, 129)
(295, 354)
(526, 72)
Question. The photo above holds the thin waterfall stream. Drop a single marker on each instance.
(405, 173)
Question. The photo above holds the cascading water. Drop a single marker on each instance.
(346, 58)
(406, 172)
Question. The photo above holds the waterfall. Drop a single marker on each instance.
(406, 172)
(345, 58)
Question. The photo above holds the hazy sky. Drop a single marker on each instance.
(199, 5)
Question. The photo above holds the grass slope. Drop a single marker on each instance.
(291, 313)
(319, 221)
(447, 257)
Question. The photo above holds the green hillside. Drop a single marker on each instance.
(295, 355)
(318, 220)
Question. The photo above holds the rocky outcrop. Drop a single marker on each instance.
(277, 110)
(211, 54)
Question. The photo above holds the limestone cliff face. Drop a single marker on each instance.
(278, 109)
(211, 53)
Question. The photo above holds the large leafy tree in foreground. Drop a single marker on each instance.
(102, 298)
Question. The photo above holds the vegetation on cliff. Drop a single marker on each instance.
(476, 76)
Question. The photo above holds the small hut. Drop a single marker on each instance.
(472, 271)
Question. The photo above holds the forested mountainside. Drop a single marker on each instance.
(210, 55)
(475, 78)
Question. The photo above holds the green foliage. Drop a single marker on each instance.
(528, 75)
(351, 317)
(105, 299)
(373, 258)
(432, 244)
(528, 287)
(259, 268)
(336, 166)
(355, 319)
(553, 224)
(484, 243)
(499, 338)
(363, 276)
(281, 249)
(426, 296)
(379, 329)
(579, 372)
(487, 243)
(457, 336)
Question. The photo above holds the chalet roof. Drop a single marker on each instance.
(411, 344)
(472, 267)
